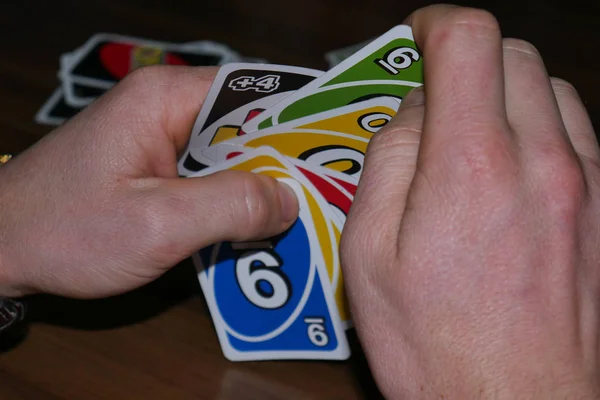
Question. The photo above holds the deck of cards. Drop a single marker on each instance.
(89, 71)
(283, 298)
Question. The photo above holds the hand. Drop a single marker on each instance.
(471, 258)
(96, 208)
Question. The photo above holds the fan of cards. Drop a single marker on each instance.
(283, 298)
(105, 59)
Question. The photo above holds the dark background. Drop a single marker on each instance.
(158, 342)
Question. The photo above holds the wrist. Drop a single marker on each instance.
(10, 284)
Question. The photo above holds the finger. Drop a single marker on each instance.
(464, 79)
(531, 106)
(165, 97)
(190, 214)
(387, 175)
(576, 120)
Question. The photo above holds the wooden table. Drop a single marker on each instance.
(158, 342)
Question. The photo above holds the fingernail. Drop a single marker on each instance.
(289, 203)
(415, 97)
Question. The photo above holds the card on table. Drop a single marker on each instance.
(106, 58)
(77, 95)
(240, 92)
(388, 66)
(273, 299)
(56, 110)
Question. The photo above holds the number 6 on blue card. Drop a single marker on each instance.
(273, 299)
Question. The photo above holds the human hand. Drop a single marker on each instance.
(470, 253)
(96, 208)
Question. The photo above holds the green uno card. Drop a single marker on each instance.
(389, 66)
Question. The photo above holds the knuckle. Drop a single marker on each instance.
(393, 136)
(479, 162)
(144, 88)
(521, 47)
(395, 149)
(475, 17)
(561, 180)
(473, 21)
(146, 76)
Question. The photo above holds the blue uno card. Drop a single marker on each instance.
(273, 299)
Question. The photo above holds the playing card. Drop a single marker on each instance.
(77, 95)
(338, 196)
(225, 151)
(209, 46)
(273, 299)
(268, 159)
(106, 58)
(338, 151)
(81, 96)
(344, 181)
(336, 189)
(240, 92)
(388, 66)
(360, 119)
(335, 57)
(55, 111)
(254, 60)
(339, 200)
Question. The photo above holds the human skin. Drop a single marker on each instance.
(96, 207)
(470, 253)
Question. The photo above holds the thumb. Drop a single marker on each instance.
(224, 206)
(389, 168)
